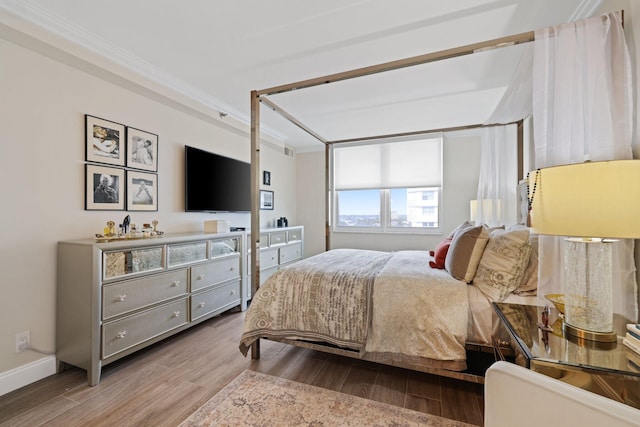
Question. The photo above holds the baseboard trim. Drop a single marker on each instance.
(27, 374)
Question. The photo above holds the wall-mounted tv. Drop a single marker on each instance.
(214, 183)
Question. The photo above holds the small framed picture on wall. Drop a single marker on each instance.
(104, 141)
(266, 200)
(266, 177)
(142, 191)
(104, 188)
(142, 150)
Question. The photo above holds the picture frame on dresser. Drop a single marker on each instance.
(104, 188)
(142, 191)
(142, 150)
(266, 200)
(104, 141)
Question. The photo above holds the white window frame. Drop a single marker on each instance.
(385, 204)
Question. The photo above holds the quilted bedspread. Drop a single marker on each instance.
(390, 306)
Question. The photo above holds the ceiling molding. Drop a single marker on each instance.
(49, 28)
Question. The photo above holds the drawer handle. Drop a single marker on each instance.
(232, 293)
(122, 297)
(200, 277)
(176, 313)
(121, 334)
(175, 284)
(232, 268)
(201, 305)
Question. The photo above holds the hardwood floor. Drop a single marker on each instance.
(162, 385)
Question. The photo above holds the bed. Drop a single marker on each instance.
(421, 310)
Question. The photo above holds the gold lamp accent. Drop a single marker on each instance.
(593, 204)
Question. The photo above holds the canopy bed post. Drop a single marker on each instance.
(255, 203)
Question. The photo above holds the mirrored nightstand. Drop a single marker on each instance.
(603, 369)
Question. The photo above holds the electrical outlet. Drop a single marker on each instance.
(23, 341)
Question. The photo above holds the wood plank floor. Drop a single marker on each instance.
(162, 385)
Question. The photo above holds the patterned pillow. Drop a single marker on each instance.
(503, 263)
(465, 252)
(529, 283)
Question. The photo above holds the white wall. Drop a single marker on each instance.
(311, 200)
(42, 170)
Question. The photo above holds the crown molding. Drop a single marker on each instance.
(38, 23)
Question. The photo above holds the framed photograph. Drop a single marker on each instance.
(104, 141)
(142, 150)
(104, 188)
(266, 200)
(266, 177)
(142, 191)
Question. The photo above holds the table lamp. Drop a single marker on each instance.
(593, 204)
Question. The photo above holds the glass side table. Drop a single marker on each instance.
(604, 369)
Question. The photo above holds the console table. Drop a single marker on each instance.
(601, 369)
(116, 297)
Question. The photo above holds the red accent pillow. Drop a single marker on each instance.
(440, 253)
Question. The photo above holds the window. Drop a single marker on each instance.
(388, 187)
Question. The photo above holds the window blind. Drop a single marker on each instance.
(400, 164)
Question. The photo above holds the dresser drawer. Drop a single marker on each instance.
(218, 271)
(225, 296)
(277, 238)
(294, 235)
(290, 253)
(186, 253)
(222, 247)
(126, 262)
(125, 333)
(268, 258)
(121, 297)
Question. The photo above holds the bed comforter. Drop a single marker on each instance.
(390, 306)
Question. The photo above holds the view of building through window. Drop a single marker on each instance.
(402, 207)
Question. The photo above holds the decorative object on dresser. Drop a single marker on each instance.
(118, 297)
(592, 202)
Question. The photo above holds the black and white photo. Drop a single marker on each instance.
(142, 191)
(104, 141)
(142, 150)
(104, 188)
(266, 200)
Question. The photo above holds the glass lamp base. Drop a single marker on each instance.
(603, 337)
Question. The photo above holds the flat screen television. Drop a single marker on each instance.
(215, 183)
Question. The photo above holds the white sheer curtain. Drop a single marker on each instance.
(497, 199)
(497, 202)
(582, 110)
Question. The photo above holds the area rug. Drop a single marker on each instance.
(255, 399)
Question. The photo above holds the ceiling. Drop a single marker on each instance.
(216, 52)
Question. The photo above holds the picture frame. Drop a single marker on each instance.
(142, 150)
(266, 200)
(104, 188)
(142, 191)
(104, 141)
(266, 177)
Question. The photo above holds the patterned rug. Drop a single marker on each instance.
(255, 399)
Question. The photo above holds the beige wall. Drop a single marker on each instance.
(42, 170)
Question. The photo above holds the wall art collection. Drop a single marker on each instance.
(121, 169)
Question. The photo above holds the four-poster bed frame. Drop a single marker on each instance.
(260, 96)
